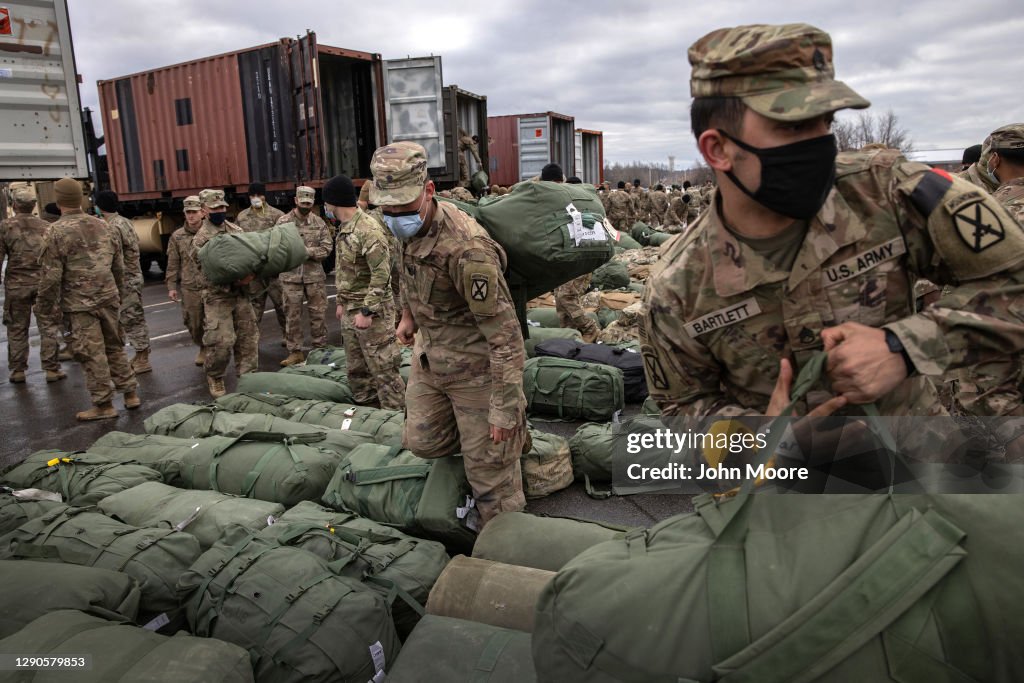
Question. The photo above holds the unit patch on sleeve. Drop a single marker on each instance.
(978, 227)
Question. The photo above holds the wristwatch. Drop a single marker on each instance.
(366, 311)
(896, 346)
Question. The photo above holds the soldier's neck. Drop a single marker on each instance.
(747, 218)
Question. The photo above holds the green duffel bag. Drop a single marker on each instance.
(540, 334)
(153, 557)
(256, 403)
(426, 498)
(229, 257)
(626, 242)
(640, 231)
(594, 444)
(81, 478)
(29, 590)
(384, 426)
(298, 619)
(547, 467)
(572, 390)
(19, 506)
(606, 316)
(547, 318)
(204, 514)
(328, 372)
(460, 651)
(611, 275)
(295, 386)
(122, 653)
(328, 355)
(280, 468)
(650, 407)
(540, 541)
(381, 556)
(656, 239)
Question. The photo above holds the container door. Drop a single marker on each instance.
(579, 172)
(41, 134)
(534, 145)
(415, 111)
(305, 78)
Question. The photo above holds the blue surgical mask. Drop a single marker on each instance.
(329, 214)
(406, 224)
(218, 217)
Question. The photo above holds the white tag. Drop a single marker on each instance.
(379, 677)
(616, 417)
(188, 520)
(36, 494)
(346, 423)
(157, 622)
(332, 365)
(532, 323)
(6, 73)
(271, 519)
(194, 446)
(350, 412)
(463, 512)
(377, 653)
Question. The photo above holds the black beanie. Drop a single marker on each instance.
(257, 189)
(339, 191)
(971, 155)
(622, 184)
(107, 201)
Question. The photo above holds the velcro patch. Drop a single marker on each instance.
(930, 191)
(979, 227)
(864, 261)
(480, 282)
(723, 317)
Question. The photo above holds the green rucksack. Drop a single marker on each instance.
(612, 275)
(204, 514)
(460, 651)
(547, 467)
(571, 389)
(295, 386)
(540, 541)
(544, 316)
(256, 403)
(29, 590)
(122, 653)
(426, 498)
(627, 242)
(656, 239)
(384, 426)
(229, 257)
(540, 334)
(328, 372)
(297, 618)
(18, 507)
(328, 355)
(153, 557)
(81, 478)
(594, 444)
(381, 556)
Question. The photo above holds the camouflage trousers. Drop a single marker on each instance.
(261, 289)
(617, 333)
(133, 318)
(19, 305)
(98, 344)
(192, 313)
(315, 296)
(570, 309)
(373, 360)
(620, 222)
(443, 420)
(229, 325)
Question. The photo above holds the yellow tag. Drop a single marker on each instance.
(65, 459)
(53, 462)
(331, 529)
(720, 431)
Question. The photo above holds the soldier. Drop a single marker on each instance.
(659, 205)
(308, 281)
(620, 208)
(50, 213)
(467, 144)
(463, 195)
(625, 329)
(22, 239)
(552, 173)
(971, 154)
(365, 307)
(262, 216)
(396, 259)
(819, 252)
(978, 172)
(675, 218)
(570, 309)
(82, 268)
(184, 281)
(1006, 164)
(465, 391)
(229, 323)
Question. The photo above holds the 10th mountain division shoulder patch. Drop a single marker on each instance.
(978, 226)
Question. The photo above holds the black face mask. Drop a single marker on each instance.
(795, 178)
(304, 210)
(218, 218)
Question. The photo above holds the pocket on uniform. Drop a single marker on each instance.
(861, 299)
(211, 333)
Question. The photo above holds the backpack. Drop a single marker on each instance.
(229, 257)
(630, 362)
(571, 389)
(81, 478)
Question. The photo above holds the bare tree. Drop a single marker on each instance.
(868, 128)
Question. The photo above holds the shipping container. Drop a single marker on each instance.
(590, 156)
(466, 112)
(41, 134)
(522, 144)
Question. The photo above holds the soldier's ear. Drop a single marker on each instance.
(711, 144)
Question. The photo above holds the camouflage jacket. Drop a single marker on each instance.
(82, 265)
(1011, 195)
(658, 201)
(22, 239)
(466, 144)
(252, 220)
(676, 214)
(974, 175)
(206, 232)
(181, 267)
(362, 270)
(317, 237)
(718, 317)
(129, 248)
(453, 286)
(620, 205)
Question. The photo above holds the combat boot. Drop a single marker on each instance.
(132, 400)
(294, 358)
(65, 354)
(55, 375)
(103, 411)
(140, 363)
(201, 357)
(216, 385)
(18, 377)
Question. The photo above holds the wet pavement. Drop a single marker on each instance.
(37, 415)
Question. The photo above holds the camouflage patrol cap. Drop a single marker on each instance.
(399, 173)
(305, 196)
(213, 199)
(1008, 138)
(192, 203)
(24, 196)
(783, 72)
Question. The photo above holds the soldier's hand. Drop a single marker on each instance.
(339, 312)
(860, 364)
(174, 295)
(783, 388)
(405, 331)
(499, 434)
(363, 321)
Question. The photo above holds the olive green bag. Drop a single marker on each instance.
(612, 275)
(328, 355)
(540, 541)
(28, 504)
(81, 478)
(295, 386)
(547, 467)
(593, 447)
(229, 257)
(426, 498)
(571, 389)
(540, 334)
(122, 653)
(328, 372)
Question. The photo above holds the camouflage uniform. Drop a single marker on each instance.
(625, 329)
(229, 323)
(362, 274)
(718, 316)
(570, 310)
(659, 207)
(22, 240)
(307, 282)
(83, 269)
(252, 220)
(675, 218)
(184, 277)
(133, 317)
(466, 144)
(1011, 195)
(620, 210)
(467, 368)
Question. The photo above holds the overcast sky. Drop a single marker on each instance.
(951, 70)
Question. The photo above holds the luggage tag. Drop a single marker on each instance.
(350, 412)
(379, 660)
(346, 423)
(157, 622)
(188, 520)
